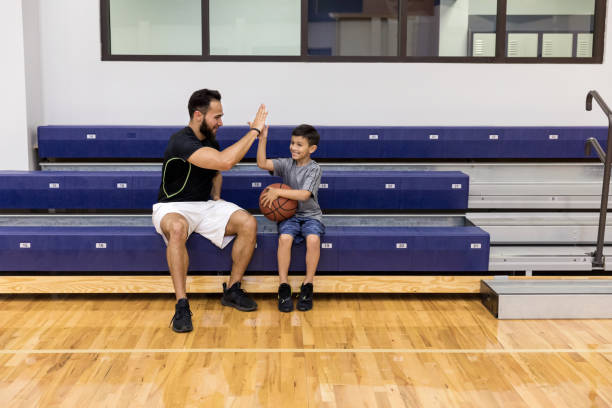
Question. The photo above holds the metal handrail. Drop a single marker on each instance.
(599, 261)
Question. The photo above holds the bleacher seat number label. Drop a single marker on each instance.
(373, 137)
(401, 245)
(326, 245)
(493, 137)
(24, 245)
(90, 136)
(476, 246)
(323, 185)
(553, 137)
(100, 245)
(256, 184)
(456, 186)
(121, 185)
(433, 137)
(389, 186)
(53, 185)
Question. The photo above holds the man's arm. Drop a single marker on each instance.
(209, 158)
(262, 161)
(215, 191)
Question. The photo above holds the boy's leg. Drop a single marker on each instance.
(285, 241)
(313, 253)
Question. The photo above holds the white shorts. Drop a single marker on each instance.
(207, 218)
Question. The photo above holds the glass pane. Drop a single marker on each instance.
(550, 28)
(156, 27)
(353, 27)
(249, 27)
(451, 28)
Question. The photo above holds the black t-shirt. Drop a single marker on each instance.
(181, 180)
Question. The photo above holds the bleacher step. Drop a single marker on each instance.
(548, 299)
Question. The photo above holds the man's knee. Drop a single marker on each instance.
(177, 230)
(248, 225)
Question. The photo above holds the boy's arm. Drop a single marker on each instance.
(209, 158)
(262, 161)
(271, 194)
(215, 191)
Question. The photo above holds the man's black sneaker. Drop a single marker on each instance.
(285, 303)
(236, 297)
(305, 299)
(181, 322)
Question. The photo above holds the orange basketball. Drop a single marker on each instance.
(281, 208)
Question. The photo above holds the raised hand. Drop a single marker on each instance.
(260, 118)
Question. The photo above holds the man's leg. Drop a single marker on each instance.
(244, 226)
(175, 228)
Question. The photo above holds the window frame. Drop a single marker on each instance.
(500, 43)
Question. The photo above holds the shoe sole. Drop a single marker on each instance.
(303, 308)
(285, 310)
(182, 331)
(235, 306)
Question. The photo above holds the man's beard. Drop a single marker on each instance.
(207, 132)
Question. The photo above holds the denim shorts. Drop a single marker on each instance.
(299, 228)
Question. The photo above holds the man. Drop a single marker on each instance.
(190, 201)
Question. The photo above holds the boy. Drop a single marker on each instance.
(303, 175)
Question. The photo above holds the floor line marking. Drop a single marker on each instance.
(301, 350)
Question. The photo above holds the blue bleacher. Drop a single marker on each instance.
(337, 142)
(137, 190)
(363, 247)
(137, 249)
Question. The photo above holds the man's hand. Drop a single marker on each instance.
(268, 196)
(260, 118)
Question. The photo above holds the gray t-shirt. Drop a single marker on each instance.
(306, 177)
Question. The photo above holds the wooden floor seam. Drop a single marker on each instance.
(307, 350)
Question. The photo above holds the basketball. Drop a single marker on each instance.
(281, 208)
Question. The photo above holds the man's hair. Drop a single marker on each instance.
(308, 132)
(200, 100)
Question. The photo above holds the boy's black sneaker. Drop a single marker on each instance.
(181, 322)
(236, 297)
(305, 299)
(285, 303)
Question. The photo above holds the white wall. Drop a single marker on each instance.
(13, 117)
(78, 88)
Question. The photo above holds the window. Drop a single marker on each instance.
(155, 27)
(550, 28)
(247, 27)
(489, 31)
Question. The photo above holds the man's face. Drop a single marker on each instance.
(212, 120)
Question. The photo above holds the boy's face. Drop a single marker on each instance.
(300, 148)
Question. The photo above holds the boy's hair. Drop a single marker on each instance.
(308, 132)
(200, 100)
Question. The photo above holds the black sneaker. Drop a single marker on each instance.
(285, 303)
(305, 299)
(181, 321)
(236, 297)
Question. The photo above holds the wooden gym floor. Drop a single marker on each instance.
(350, 351)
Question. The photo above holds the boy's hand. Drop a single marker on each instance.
(260, 118)
(268, 196)
(264, 132)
